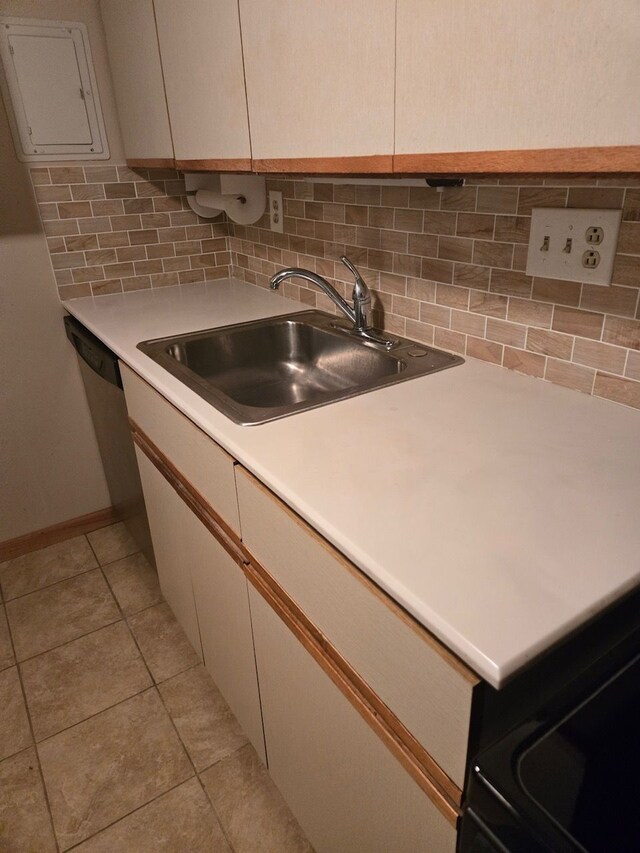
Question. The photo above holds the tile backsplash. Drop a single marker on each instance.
(447, 267)
(110, 229)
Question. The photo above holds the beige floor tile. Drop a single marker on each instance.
(75, 681)
(181, 821)
(6, 649)
(47, 618)
(204, 720)
(46, 566)
(24, 818)
(102, 769)
(112, 543)
(252, 812)
(134, 583)
(162, 641)
(15, 733)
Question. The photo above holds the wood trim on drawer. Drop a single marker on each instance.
(605, 160)
(238, 164)
(429, 776)
(191, 496)
(151, 163)
(374, 164)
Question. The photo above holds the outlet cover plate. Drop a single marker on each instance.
(276, 213)
(554, 226)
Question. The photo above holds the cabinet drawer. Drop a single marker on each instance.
(203, 463)
(427, 688)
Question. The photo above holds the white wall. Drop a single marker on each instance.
(50, 469)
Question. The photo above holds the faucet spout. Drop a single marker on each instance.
(319, 281)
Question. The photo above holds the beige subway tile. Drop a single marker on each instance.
(524, 362)
(136, 282)
(155, 220)
(174, 187)
(219, 244)
(111, 207)
(406, 264)
(421, 332)
(66, 174)
(378, 260)
(425, 245)
(486, 350)
(478, 225)
(601, 356)
(623, 332)
(84, 274)
(132, 206)
(87, 192)
(491, 304)
(124, 269)
(63, 276)
(439, 222)
(207, 260)
(452, 297)
(344, 193)
(550, 343)
(53, 193)
(101, 288)
(39, 176)
(130, 253)
(512, 229)
(94, 225)
(366, 237)
(585, 324)
(174, 264)
(468, 323)
(408, 220)
(55, 245)
(377, 217)
(198, 232)
(436, 315)
(394, 196)
(629, 238)
(313, 210)
(417, 288)
(631, 207)
(149, 189)
(492, 254)
(74, 209)
(392, 283)
(190, 276)
(610, 300)
(74, 291)
(598, 197)
(60, 227)
(48, 211)
(333, 212)
(448, 340)
(558, 292)
(184, 217)
(519, 257)
(147, 235)
(511, 283)
(161, 204)
(224, 259)
(504, 332)
(166, 279)
(531, 197)
(626, 270)
(497, 199)
(458, 198)
(322, 192)
(570, 375)
(408, 308)
(470, 275)
(423, 198)
(304, 190)
(530, 313)
(101, 256)
(624, 391)
(100, 174)
(127, 222)
(437, 270)
(369, 195)
(454, 248)
(68, 260)
(113, 240)
(632, 370)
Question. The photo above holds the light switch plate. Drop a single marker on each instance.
(573, 244)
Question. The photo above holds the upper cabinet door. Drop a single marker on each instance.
(529, 74)
(201, 55)
(137, 79)
(320, 83)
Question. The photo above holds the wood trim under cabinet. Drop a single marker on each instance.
(422, 768)
(604, 160)
(29, 542)
(374, 164)
(241, 164)
(151, 163)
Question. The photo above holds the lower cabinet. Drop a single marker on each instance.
(207, 592)
(343, 785)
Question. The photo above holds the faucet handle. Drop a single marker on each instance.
(353, 269)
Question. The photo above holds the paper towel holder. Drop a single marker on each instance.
(242, 197)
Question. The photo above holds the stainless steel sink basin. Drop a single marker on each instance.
(267, 369)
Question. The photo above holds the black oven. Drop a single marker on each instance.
(567, 779)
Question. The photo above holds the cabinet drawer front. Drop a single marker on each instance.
(425, 686)
(203, 463)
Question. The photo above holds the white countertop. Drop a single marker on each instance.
(500, 510)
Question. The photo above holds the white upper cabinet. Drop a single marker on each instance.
(516, 74)
(320, 77)
(201, 55)
(137, 78)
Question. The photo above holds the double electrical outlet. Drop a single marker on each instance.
(573, 244)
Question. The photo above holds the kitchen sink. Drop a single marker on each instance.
(267, 369)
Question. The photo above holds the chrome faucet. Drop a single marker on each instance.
(359, 315)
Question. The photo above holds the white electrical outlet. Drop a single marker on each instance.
(573, 244)
(276, 213)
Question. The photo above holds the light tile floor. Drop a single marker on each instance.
(113, 737)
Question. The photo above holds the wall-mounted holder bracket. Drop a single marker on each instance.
(242, 197)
